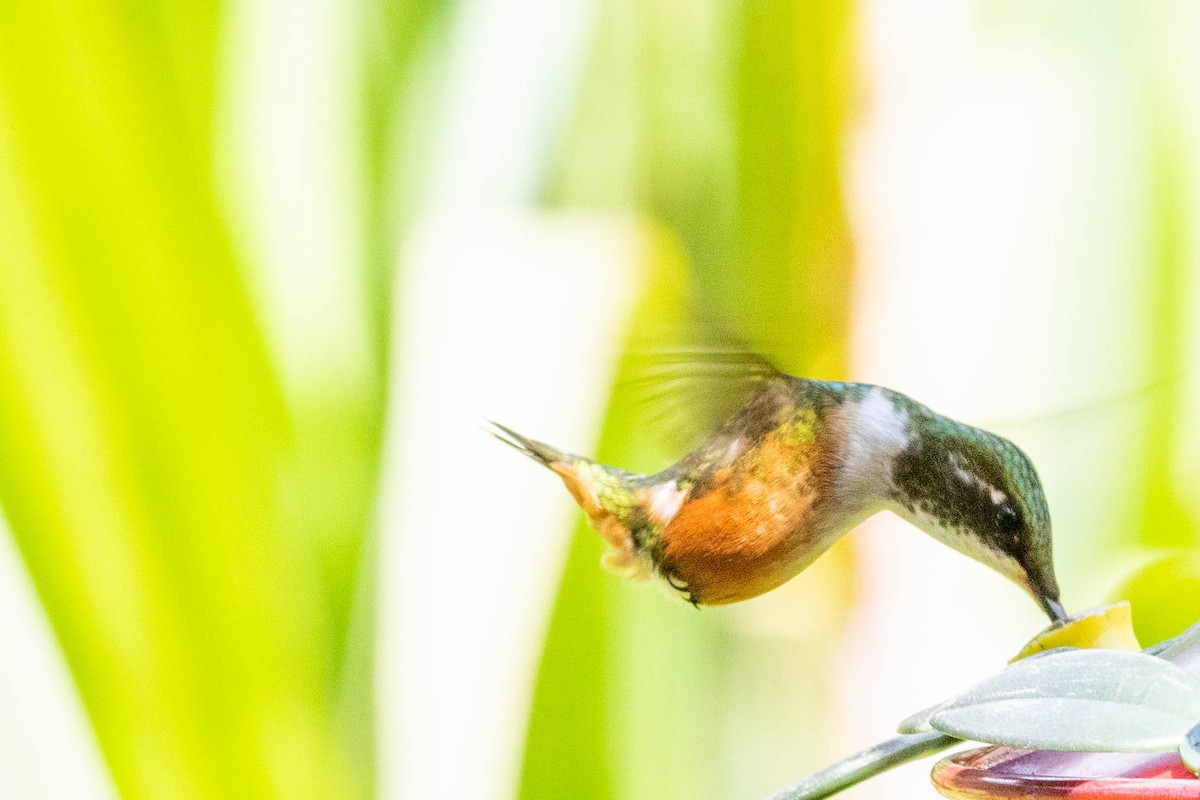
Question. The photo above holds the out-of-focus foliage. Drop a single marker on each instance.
(726, 125)
(399, 84)
(143, 430)
(1165, 596)
(1166, 593)
(1138, 198)
(195, 535)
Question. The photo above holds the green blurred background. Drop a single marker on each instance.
(263, 265)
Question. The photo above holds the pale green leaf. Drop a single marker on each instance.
(920, 721)
(1082, 700)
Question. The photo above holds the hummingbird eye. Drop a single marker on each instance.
(1008, 519)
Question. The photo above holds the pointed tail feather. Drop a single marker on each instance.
(604, 493)
(544, 454)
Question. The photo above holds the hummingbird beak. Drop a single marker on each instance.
(1054, 609)
(1044, 588)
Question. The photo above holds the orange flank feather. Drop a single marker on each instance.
(753, 529)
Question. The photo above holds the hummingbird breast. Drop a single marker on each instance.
(756, 507)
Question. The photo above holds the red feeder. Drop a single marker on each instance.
(992, 773)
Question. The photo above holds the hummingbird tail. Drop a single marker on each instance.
(604, 493)
(544, 454)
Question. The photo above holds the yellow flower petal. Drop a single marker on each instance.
(1107, 627)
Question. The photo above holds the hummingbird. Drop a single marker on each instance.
(799, 463)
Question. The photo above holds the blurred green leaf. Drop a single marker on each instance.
(149, 459)
(1082, 700)
(1165, 596)
(570, 724)
(1165, 519)
(400, 90)
(788, 282)
(337, 472)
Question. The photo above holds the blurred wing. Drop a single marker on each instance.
(683, 393)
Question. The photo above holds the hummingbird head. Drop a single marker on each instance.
(978, 493)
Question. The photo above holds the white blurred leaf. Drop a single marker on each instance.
(1081, 700)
